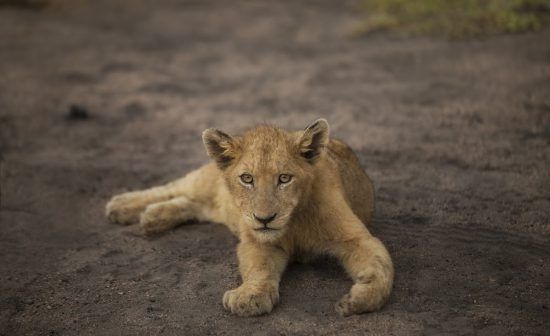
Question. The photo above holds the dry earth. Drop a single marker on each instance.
(456, 136)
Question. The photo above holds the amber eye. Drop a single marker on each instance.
(246, 178)
(285, 178)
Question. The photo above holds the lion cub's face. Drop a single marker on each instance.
(268, 171)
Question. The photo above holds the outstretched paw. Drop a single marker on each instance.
(251, 300)
(345, 306)
(362, 298)
(124, 209)
(161, 217)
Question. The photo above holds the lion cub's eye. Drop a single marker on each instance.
(246, 178)
(285, 178)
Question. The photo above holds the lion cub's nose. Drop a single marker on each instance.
(265, 220)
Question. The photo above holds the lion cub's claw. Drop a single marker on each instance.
(245, 301)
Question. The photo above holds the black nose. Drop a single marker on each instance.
(265, 220)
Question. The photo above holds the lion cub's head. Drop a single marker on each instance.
(268, 172)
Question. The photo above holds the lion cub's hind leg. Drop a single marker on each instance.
(125, 208)
(166, 215)
(163, 207)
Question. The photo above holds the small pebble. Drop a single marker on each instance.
(77, 112)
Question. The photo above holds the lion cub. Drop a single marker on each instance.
(287, 196)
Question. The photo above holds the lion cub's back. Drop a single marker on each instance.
(358, 186)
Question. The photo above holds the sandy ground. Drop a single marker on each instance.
(456, 136)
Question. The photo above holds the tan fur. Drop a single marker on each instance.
(324, 209)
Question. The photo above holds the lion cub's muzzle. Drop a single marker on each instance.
(265, 220)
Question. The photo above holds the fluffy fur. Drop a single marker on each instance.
(321, 205)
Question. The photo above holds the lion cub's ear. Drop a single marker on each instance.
(219, 146)
(314, 140)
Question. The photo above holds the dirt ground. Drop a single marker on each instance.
(456, 136)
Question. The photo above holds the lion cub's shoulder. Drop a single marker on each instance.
(358, 187)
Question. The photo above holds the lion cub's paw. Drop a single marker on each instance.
(123, 209)
(362, 298)
(346, 307)
(250, 301)
(159, 217)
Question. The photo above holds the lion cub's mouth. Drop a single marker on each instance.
(265, 229)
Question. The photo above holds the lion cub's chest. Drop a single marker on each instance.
(306, 244)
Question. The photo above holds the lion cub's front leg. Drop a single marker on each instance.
(369, 264)
(261, 267)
